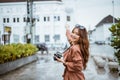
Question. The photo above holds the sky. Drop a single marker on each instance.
(91, 12)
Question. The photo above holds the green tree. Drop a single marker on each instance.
(115, 41)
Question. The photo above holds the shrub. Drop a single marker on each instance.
(115, 42)
(12, 52)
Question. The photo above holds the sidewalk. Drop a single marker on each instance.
(48, 69)
(94, 73)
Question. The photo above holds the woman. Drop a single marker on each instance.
(76, 56)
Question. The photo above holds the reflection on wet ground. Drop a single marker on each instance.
(45, 68)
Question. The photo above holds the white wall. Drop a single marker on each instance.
(107, 32)
(40, 10)
(13, 10)
(102, 33)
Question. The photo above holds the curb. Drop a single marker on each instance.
(9, 66)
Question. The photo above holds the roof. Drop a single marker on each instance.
(107, 19)
(5, 1)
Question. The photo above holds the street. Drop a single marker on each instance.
(45, 68)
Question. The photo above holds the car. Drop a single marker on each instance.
(42, 47)
(100, 42)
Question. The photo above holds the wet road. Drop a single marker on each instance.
(43, 69)
(48, 69)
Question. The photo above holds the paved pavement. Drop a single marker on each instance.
(48, 69)
(43, 69)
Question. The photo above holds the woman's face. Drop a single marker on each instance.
(76, 34)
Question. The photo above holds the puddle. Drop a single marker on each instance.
(101, 71)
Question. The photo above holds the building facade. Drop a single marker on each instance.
(101, 33)
(50, 17)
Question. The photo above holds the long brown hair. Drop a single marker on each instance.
(84, 44)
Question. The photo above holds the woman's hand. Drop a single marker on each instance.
(59, 60)
(67, 26)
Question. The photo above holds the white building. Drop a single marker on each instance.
(101, 32)
(50, 19)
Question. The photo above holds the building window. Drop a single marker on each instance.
(14, 20)
(38, 20)
(28, 19)
(7, 20)
(56, 37)
(48, 18)
(47, 38)
(56, 18)
(24, 19)
(16, 38)
(4, 20)
(17, 19)
(68, 18)
(37, 39)
(44, 19)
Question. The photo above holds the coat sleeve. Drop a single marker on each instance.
(68, 34)
(76, 64)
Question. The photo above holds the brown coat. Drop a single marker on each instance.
(73, 64)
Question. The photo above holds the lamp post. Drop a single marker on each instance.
(30, 20)
(6, 38)
(0, 37)
(56, 18)
(6, 34)
(113, 12)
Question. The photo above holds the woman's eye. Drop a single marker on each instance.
(76, 34)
